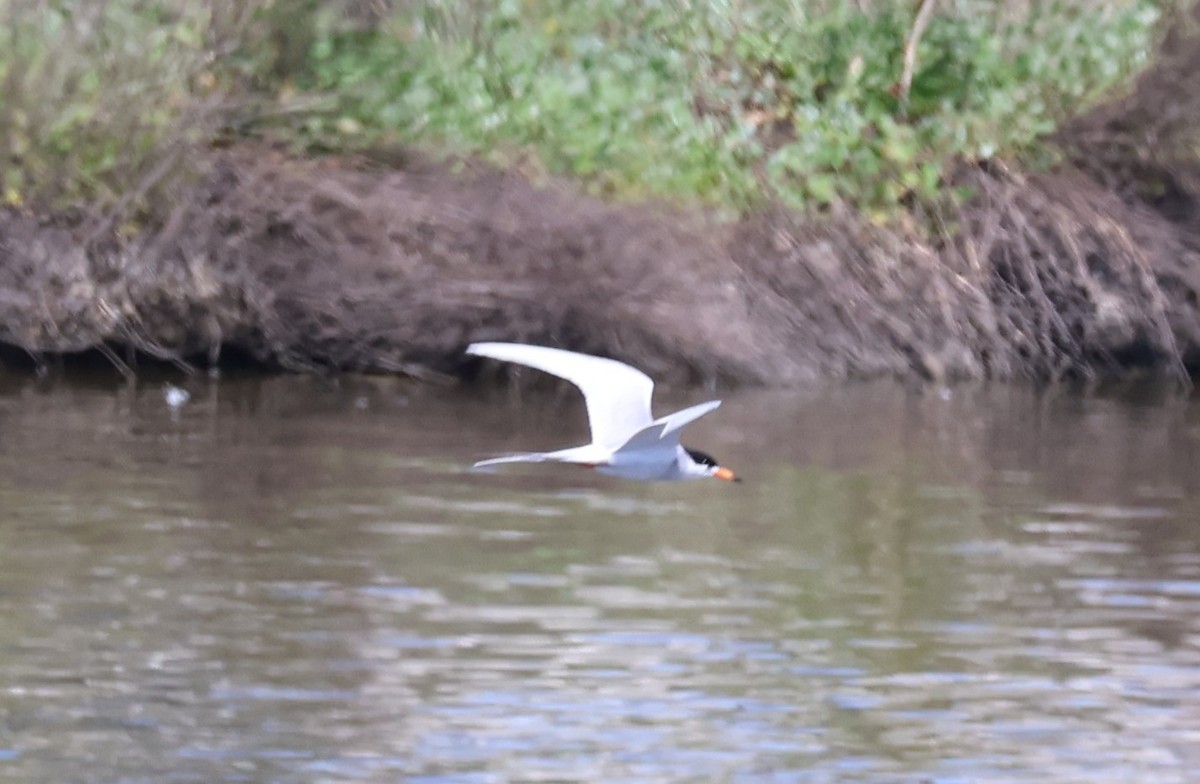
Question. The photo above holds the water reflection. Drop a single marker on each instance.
(298, 580)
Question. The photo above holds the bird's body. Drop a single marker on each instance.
(626, 439)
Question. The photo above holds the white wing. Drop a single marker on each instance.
(664, 432)
(617, 395)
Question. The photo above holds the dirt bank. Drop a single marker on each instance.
(1093, 269)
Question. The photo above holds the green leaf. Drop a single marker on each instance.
(822, 188)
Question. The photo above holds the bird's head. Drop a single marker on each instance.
(703, 464)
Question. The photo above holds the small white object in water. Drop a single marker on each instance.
(176, 396)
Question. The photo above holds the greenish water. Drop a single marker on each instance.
(296, 580)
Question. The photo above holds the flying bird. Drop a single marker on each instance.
(627, 441)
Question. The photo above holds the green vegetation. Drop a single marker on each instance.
(716, 100)
(96, 98)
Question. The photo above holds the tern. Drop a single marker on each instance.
(627, 441)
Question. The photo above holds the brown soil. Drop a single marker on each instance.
(1087, 271)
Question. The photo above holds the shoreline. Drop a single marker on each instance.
(345, 265)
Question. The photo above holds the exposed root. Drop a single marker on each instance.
(1072, 293)
(308, 266)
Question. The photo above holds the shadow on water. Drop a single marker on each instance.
(297, 579)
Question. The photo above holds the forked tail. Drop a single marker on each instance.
(588, 455)
(531, 457)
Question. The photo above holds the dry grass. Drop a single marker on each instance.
(108, 103)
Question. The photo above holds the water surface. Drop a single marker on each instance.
(299, 580)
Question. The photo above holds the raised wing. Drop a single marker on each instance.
(664, 432)
(617, 395)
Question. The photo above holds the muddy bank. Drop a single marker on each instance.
(305, 266)
(1090, 270)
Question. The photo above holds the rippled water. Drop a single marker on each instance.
(298, 580)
